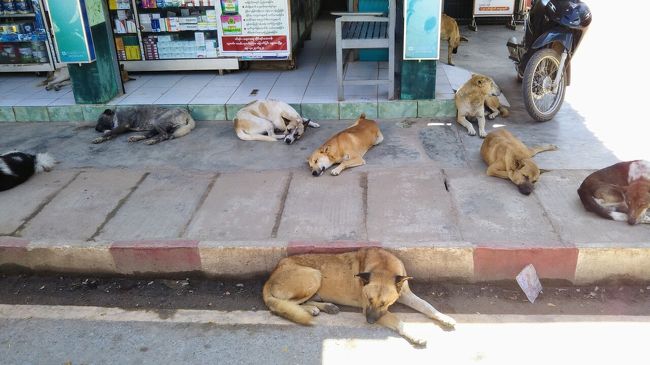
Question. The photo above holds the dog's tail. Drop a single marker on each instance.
(592, 205)
(44, 162)
(255, 137)
(285, 308)
(504, 111)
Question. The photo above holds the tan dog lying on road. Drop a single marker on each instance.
(266, 116)
(620, 192)
(449, 32)
(301, 286)
(346, 148)
(471, 100)
(508, 158)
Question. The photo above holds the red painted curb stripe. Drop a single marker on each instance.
(13, 242)
(334, 247)
(505, 264)
(156, 256)
(12, 250)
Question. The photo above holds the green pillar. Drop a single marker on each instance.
(418, 80)
(97, 82)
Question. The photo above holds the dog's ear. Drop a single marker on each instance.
(364, 276)
(108, 112)
(326, 149)
(400, 280)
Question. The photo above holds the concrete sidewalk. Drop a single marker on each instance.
(231, 208)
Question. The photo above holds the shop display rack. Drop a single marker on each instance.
(25, 44)
(165, 35)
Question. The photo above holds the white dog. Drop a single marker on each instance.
(262, 117)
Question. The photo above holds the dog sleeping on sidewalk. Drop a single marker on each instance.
(620, 192)
(18, 167)
(158, 123)
(373, 279)
(258, 121)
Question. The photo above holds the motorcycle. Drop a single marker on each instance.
(552, 33)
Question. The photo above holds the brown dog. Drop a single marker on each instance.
(449, 32)
(508, 158)
(370, 278)
(620, 192)
(346, 148)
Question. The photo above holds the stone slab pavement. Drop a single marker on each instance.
(213, 204)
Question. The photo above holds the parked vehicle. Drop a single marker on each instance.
(552, 33)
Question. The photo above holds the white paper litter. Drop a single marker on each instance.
(529, 282)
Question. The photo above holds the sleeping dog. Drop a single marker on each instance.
(159, 123)
(17, 167)
(258, 121)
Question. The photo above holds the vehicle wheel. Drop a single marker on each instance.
(541, 103)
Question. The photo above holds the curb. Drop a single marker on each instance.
(432, 108)
(430, 261)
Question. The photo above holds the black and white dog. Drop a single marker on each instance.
(17, 167)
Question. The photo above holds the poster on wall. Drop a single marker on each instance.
(494, 7)
(71, 29)
(422, 29)
(254, 29)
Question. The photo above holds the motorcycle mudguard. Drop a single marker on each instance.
(557, 34)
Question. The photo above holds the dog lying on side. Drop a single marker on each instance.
(508, 158)
(56, 79)
(471, 100)
(346, 148)
(450, 32)
(301, 286)
(620, 192)
(18, 167)
(159, 123)
(267, 116)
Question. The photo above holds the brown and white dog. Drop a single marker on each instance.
(508, 158)
(258, 121)
(620, 192)
(346, 148)
(373, 279)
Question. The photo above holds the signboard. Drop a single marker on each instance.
(494, 7)
(254, 29)
(422, 29)
(71, 31)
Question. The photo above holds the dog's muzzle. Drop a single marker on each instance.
(372, 316)
(318, 172)
(526, 188)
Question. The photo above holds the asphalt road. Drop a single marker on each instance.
(85, 320)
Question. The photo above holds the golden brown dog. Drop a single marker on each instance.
(346, 148)
(471, 100)
(449, 32)
(508, 158)
(620, 192)
(301, 286)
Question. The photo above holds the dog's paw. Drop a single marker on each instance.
(416, 341)
(554, 147)
(98, 140)
(314, 311)
(330, 308)
(446, 320)
(134, 139)
(492, 116)
(150, 142)
(482, 134)
(471, 132)
(335, 172)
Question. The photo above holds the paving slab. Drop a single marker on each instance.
(82, 207)
(325, 208)
(557, 192)
(160, 207)
(24, 200)
(442, 144)
(241, 206)
(410, 205)
(492, 211)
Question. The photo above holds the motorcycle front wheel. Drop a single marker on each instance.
(541, 103)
